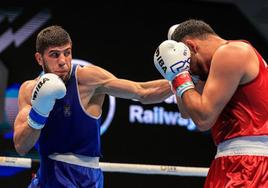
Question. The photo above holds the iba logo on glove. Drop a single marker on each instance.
(160, 60)
(38, 87)
(172, 57)
(176, 66)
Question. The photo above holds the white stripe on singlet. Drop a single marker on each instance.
(246, 145)
(81, 160)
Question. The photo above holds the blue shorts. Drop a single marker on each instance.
(69, 175)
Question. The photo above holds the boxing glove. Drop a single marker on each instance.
(172, 60)
(48, 88)
(171, 30)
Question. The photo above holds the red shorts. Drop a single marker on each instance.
(242, 171)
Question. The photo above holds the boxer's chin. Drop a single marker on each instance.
(65, 77)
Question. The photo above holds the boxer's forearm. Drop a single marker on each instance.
(182, 109)
(155, 91)
(25, 137)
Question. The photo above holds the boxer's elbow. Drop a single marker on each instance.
(21, 150)
(203, 125)
(185, 115)
(20, 147)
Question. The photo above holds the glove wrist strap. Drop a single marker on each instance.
(35, 120)
(182, 82)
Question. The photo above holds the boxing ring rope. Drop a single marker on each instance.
(120, 167)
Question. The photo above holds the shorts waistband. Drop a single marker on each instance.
(246, 145)
(81, 160)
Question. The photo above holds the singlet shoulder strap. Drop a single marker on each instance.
(74, 67)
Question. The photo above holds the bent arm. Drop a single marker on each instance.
(184, 114)
(104, 82)
(228, 67)
(25, 137)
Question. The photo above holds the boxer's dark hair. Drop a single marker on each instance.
(52, 36)
(192, 28)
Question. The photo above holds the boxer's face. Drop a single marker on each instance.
(57, 60)
(199, 67)
(200, 62)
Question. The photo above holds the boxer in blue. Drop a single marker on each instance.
(61, 109)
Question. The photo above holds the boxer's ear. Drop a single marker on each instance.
(191, 45)
(38, 58)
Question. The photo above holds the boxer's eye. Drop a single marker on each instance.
(67, 53)
(54, 54)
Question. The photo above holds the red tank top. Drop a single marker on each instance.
(246, 114)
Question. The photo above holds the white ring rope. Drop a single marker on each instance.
(121, 167)
(16, 162)
(154, 169)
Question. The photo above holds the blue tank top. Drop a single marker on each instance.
(69, 128)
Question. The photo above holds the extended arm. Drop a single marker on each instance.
(105, 82)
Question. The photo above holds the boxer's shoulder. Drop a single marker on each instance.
(91, 75)
(26, 89)
(28, 85)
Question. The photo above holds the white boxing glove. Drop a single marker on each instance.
(171, 30)
(172, 60)
(48, 88)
